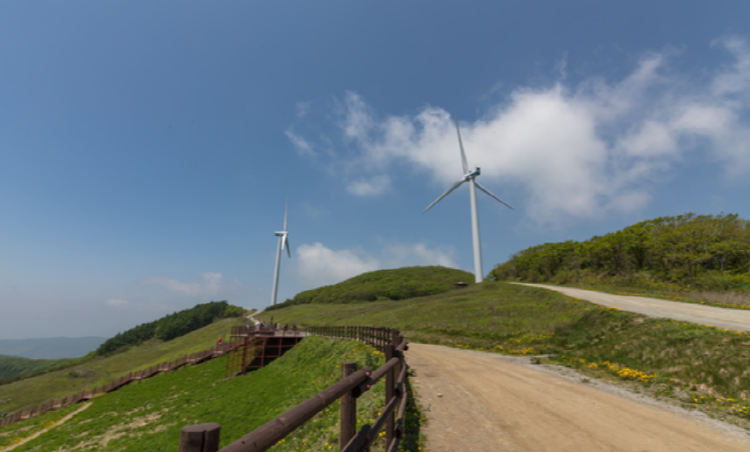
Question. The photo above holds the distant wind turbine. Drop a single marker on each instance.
(469, 176)
(283, 243)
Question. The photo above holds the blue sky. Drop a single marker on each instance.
(146, 148)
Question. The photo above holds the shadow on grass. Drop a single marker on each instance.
(413, 440)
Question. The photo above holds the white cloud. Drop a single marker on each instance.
(211, 285)
(577, 152)
(369, 187)
(319, 265)
(403, 255)
(302, 109)
(116, 302)
(302, 145)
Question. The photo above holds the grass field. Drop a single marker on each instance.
(150, 416)
(14, 366)
(482, 315)
(702, 366)
(98, 371)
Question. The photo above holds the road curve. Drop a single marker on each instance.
(731, 319)
(478, 401)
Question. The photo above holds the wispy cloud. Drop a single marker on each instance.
(211, 285)
(403, 255)
(319, 265)
(369, 186)
(303, 146)
(116, 302)
(302, 108)
(576, 151)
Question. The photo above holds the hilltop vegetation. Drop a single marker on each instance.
(171, 326)
(709, 252)
(396, 284)
(15, 366)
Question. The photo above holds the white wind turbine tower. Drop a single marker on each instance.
(283, 243)
(469, 176)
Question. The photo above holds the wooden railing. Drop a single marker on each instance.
(354, 383)
(195, 358)
(138, 375)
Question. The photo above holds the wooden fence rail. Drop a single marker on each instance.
(205, 437)
(138, 375)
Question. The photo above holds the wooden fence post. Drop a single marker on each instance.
(390, 381)
(348, 408)
(200, 438)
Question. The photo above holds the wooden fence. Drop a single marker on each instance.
(205, 437)
(138, 375)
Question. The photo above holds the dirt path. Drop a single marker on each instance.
(732, 319)
(44, 430)
(494, 403)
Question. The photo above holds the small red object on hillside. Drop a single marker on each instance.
(219, 341)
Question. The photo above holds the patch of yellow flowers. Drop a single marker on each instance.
(19, 439)
(620, 371)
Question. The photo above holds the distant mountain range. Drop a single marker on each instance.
(50, 348)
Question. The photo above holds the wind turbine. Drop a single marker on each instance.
(469, 177)
(283, 243)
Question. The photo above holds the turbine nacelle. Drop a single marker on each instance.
(472, 174)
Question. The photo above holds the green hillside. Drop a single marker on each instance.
(14, 366)
(170, 326)
(396, 284)
(701, 366)
(149, 416)
(685, 252)
(95, 371)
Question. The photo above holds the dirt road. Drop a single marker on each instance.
(732, 319)
(495, 403)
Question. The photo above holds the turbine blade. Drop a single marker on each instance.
(447, 192)
(488, 192)
(286, 211)
(461, 145)
(288, 250)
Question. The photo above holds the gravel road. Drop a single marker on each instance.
(478, 401)
(732, 319)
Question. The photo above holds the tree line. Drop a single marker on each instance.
(703, 251)
(171, 326)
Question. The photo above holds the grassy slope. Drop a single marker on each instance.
(697, 364)
(394, 284)
(98, 371)
(150, 416)
(482, 315)
(13, 366)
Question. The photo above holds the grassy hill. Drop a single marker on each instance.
(701, 366)
(14, 366)
(150, 416)
(685, 252)
(99, 370)
(396, 284)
